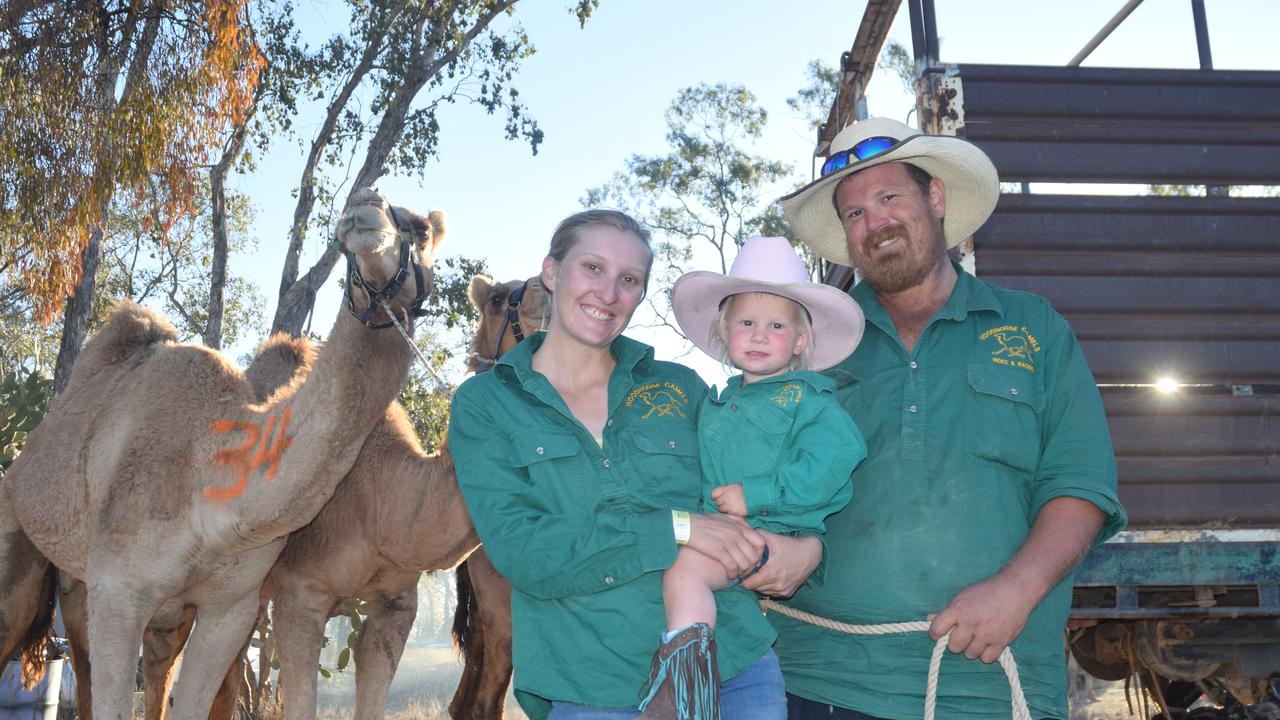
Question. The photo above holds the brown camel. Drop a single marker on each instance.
(397, 514)
(482, 620)
(160, 481)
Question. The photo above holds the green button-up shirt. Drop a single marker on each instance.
(787, 442)
(992, 415)
(582, 530)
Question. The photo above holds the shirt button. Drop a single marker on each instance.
(913, 365)
(764, 512)
(733, 407)
(607, 464)
(608, 579)
(609, 424)
(1013, 391)
(671, 444)
(539, 450)
(911, 409)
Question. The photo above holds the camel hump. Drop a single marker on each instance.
(130, 329)
(277, 362)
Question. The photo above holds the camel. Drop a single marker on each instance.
(159, 481)
(397, 514)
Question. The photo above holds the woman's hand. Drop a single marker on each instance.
(729, 540)
(791, 561)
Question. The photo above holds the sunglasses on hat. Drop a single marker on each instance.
(861, 150)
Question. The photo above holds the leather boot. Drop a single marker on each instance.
(684, 681)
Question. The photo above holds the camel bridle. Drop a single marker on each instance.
(510, 319)
(382, 297)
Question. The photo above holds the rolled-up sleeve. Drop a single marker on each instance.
(1077, 459)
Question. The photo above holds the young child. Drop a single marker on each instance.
(775, 447)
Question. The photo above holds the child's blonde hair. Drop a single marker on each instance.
(720, 326)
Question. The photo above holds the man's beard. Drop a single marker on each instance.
(908, 268)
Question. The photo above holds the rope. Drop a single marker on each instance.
(441, 385)
(1019, 701)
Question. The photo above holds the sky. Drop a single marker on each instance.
(600, 93)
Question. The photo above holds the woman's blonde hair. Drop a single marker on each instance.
(720, 327)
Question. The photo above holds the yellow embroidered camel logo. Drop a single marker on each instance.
(661, 402)
(790, 393)
(1014, 346)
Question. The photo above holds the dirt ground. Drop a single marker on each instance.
(427, 677)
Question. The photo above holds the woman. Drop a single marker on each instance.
(577, 457)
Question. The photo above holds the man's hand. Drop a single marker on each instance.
(985, 617)
(728, 539)
(730, 499)
(791, 561)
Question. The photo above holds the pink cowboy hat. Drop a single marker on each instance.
(769, 265)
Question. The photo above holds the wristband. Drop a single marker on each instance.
(680, 523)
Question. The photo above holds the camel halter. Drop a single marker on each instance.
(510, 319)
(1019, 701)
(382, 297)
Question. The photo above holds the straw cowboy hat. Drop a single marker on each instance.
(768, 265)
(968, 177)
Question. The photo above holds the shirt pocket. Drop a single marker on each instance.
(1002, 417)
(551, 462)
(758, 443)
(666, 463)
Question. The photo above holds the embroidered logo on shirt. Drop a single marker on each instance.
(661, 398)
(787, 394)
(1014, 346)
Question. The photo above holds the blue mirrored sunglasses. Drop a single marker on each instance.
(868, 148)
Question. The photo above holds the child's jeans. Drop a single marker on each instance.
(754, 694)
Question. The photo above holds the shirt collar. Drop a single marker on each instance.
(517, 363)
(969, 295)
(818, 383)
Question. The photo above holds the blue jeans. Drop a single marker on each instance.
(799, 708)
(755, 694)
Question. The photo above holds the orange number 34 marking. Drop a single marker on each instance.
(262, 446)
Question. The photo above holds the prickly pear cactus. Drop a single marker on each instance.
(24, 399)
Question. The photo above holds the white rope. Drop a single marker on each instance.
(441, 385)
(1019, 701)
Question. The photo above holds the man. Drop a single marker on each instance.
(990, 471)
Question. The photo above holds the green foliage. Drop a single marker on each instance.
(172, 273)
(450, 304)
(813, 101)
(705, 197)
(24, 399)
(894, 58)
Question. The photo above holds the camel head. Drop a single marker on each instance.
(389, 255)
(499, 331)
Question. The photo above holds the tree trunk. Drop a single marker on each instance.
(75, 321)
(218, 206)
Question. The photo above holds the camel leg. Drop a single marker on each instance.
(161, 647)
(116, 621)
(378, 650)
(219, 633)
(493, 605)
(486, 676)
(75, 617)
(298, 623)
(25, 594)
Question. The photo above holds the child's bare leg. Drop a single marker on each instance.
(687, 588)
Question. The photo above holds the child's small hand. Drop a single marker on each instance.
(730, 500)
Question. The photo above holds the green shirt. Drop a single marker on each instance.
(992, 415)
(789, 444)
(582, 530)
